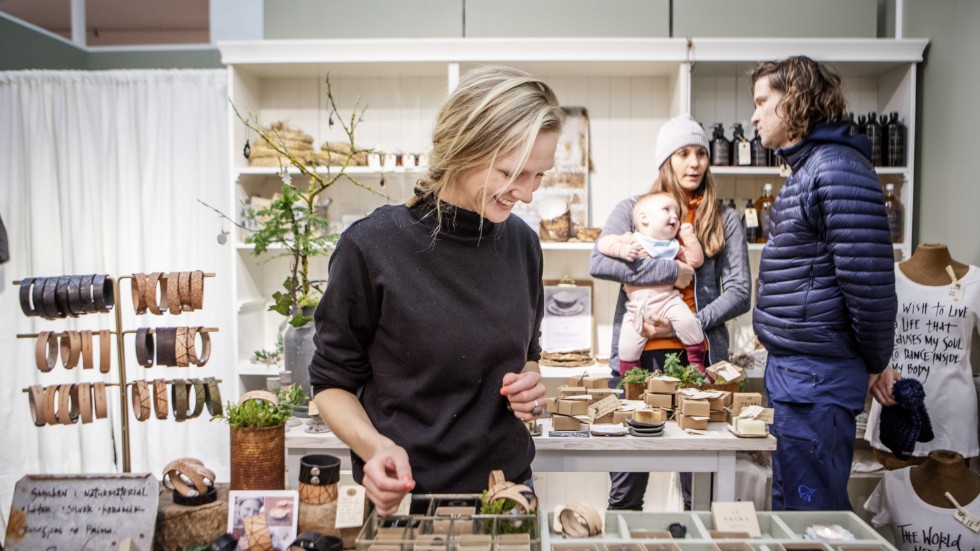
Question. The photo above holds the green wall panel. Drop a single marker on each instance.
(776, 18)
(204, 58)
(286, 19)
(23, 48)
(567, 18)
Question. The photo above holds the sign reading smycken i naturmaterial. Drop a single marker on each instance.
(90, 512)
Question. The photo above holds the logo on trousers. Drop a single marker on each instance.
(806, 492)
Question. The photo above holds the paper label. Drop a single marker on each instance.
(603, 407)
(968, 519)
(350, 506)
(956, 293)
(744, 153)
(757, 412)
(751, 218)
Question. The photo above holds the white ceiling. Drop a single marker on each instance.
(120, 22)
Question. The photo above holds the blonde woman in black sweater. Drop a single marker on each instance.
(427, 334)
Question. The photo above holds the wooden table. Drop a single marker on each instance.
(675, 451)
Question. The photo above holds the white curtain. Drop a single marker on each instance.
(101, 172)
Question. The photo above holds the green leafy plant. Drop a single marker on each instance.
(523, 523)
(258, 414)
(635, 376)
(686, 375)
(273, 355)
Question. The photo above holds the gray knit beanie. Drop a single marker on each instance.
(678, 132)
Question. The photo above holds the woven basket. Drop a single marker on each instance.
(258, 459)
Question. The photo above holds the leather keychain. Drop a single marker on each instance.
(160, 407)
(26, 285)
(85, 402)
(144, 347)
(184, 291)
(173, 292)
(71, 349)
(98, 398)
(181, 347)
(88, 362)
(141, 400)
(150, 293)
(138, 291)
(197, 290)
(36, 401)
(104, 351)
(46, 351)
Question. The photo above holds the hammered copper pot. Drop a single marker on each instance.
(258, 458)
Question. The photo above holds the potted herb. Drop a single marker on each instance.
(635, 382)
(258, 438)
(691, 376)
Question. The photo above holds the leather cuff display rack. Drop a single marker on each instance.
(157, 293)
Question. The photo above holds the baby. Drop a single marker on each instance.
(659, 234)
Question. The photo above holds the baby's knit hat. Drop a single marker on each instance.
(678, 132)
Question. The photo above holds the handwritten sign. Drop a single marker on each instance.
(87, 512)
(928, 333)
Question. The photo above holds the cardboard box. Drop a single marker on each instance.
(695, 408)
(687, 422)
(596, 382)
(566, 390)
(725, 372)
(742, 399)
(620, 417)
(662, 385)
(718, 416)
(600, 393)
(721, 402)
(605, 419)
(665, 401)
(573, 407)
(564, 422)
(575, 381)
(552, 405)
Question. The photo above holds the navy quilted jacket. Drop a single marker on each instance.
(827, 279)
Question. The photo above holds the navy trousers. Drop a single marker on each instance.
(816, 401)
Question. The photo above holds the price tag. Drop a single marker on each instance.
(744, 153)
(350, 507)
(956, 293)
(751, 218)
(968, 519)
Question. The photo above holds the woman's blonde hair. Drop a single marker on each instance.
(708, 224)
(492, 112)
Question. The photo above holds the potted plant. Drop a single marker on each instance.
(635, 382)
(691, 376)
(258, 438)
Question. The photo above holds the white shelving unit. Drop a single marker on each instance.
(629, 86)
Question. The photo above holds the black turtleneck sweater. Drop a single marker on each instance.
(424, 329)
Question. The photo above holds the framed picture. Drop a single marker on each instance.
(263, 519)
(568, 318)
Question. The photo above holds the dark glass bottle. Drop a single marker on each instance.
(862, 123)
(873, 131)
(721, 148)
(895, 154)
(853, 130)
(761, 155)
(731, 205)
(741, 148)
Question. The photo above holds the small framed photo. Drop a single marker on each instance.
(263, 519)
(568, 320)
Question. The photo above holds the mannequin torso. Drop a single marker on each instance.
(944, 471)
(927, 265)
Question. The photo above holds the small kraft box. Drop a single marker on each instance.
(662, 385)
(691, 422)
(721, 402)
(620, 417)
(664, 401)
(566, 390)
(595, 382)
(695, 408)
(741, 400)
(564, 422)
(573, 407)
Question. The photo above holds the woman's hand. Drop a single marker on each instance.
(880, 385)
(685, 275)
(525, 394)
(387, 478)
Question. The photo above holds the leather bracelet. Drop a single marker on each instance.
(199, 398)
(319, 469)
(141, 400)
(193, 357)
(257, 532)
(197, 290)
(188, 476)
(36, 401)
(150, 293)
(173, 465)
(88, 361)
(67, 412)
(61, 296)
(37, 296)
(138, 291)
(181, 346)
(50, 404)
(85, 402)
(172, 283)
(160, 408)
(178, 398)
(46, 351)
(167, 346)
(105, 351)
(102, 293)
(315, 541)
(26, 285)
(209, 496)
(580, 520)
(144, 347)
(74, 302)
(85, 292)
(48, 303)
(71, 349)
(184, 291)
(213, 396)
(259, 395)
(98, 398)
(317, 495)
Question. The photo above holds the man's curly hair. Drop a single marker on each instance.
(812, 92)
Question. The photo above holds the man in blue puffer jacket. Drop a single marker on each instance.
(826, 298)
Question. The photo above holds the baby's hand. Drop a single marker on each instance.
(630, 249)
